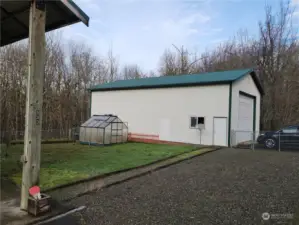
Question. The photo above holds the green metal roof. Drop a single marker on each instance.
(222, 77)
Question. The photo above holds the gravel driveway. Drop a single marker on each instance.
(229, 186)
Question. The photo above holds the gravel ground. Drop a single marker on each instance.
(229, 186)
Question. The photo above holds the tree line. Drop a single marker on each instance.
(71, 69)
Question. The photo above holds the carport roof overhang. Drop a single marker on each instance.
(15, 17)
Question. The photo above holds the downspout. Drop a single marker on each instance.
(90, 94)
(229, 114)
(200, 136)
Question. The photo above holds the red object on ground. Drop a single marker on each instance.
(34, 191)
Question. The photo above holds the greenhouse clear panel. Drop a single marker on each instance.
(103, 129)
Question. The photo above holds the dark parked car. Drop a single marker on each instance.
(286, 136)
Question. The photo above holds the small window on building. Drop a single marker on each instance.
(197, 122)
(200, 120)
(193, 122)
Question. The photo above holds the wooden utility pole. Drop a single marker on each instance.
(34, 99)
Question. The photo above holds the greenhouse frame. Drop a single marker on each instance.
(103, 130)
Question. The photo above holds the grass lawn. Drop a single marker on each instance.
(62, 163)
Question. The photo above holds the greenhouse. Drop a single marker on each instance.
(103, 130)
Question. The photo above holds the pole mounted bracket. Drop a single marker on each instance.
(40, 4)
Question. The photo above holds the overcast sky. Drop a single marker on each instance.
(140, 30)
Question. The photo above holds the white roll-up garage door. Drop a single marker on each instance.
(245, 119)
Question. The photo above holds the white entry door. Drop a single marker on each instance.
(220, 131)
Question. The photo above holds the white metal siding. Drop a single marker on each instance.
(247, 85)
(166, 111)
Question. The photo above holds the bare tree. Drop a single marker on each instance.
(179, 62)
(112, 66)
(70, 69)
(168, 65)
(277, 61)
(131, 72)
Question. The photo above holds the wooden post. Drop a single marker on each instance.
(34, 99)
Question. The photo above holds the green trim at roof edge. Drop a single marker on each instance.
(159, 86)
(71, 5)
